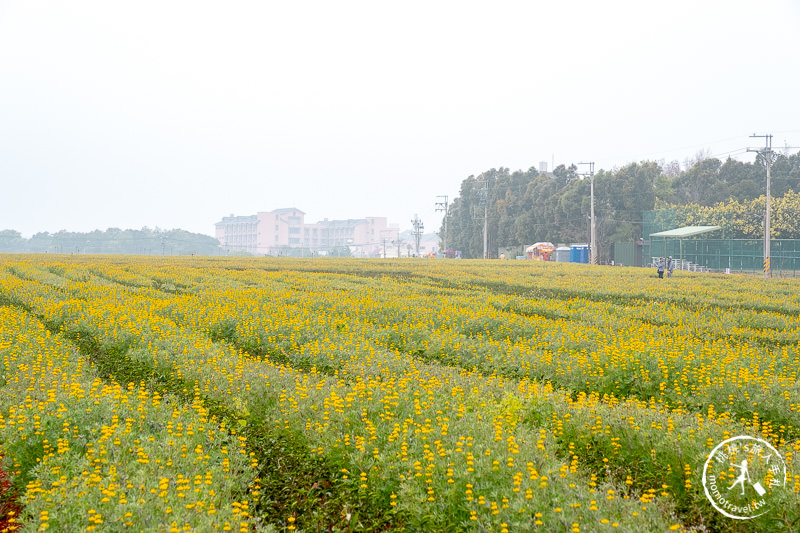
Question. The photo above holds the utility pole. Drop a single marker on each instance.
(767, 153)
(418, 227)
(483, 200)
(486, 219)
(442, 206)
(593, 252)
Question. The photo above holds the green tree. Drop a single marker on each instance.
(785, 175)
(744, 179)
(526, 206)
(701, 184)
(11, 241)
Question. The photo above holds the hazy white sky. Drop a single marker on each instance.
(174, 114)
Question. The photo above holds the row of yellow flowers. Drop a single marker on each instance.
(438, 390)
(89, 454)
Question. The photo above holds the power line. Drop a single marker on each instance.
(696, 147)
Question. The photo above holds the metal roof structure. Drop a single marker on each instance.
(682, 233)
(686, 231)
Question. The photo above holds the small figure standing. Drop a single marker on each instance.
(744, 475)
(670, 266)
(660, 269)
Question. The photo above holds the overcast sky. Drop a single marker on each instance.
(174, 114)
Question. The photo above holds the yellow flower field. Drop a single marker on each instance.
(258, 394)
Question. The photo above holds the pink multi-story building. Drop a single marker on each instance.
(285, 231)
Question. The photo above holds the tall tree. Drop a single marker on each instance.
(525, 206)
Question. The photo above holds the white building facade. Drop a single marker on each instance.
(285, 232)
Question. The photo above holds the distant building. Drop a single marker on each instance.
(238, 233)
(285, 231)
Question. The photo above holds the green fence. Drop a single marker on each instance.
(627, 254)
(719, 255)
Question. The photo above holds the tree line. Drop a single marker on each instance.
(145, 241)
(528, 206)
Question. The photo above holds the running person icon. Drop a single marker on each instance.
(744, 475)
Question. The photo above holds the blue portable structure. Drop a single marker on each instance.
(579, 253)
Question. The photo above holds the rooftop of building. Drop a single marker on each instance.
(238, 218)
